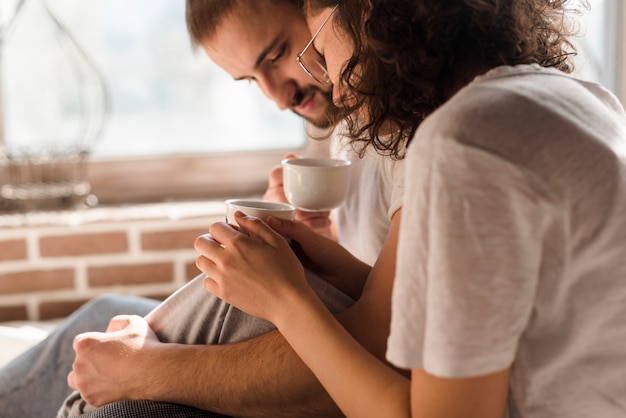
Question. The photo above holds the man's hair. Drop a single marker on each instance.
(411, 55)
(204, 16)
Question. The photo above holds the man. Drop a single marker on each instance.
(260, 376)
(273, 35)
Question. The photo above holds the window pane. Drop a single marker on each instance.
(591, 42)
(164, 99)
(599, 42)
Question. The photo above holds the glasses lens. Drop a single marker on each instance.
(314, 64)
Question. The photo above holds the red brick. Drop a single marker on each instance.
(13, 250)
(13, 313)
(170, 240)
(130, 275)
(191, 271)
(59, 309)
(36, 280)
(73, 245)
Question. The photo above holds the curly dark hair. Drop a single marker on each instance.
(410, 56)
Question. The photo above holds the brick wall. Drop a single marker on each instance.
(51, 263)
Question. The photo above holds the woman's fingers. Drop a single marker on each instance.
(224, 247)
(208, 248)
(206, 243)
(257, 229)
(296, 231)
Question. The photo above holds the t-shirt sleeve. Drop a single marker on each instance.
(469, 258)
(393, 175)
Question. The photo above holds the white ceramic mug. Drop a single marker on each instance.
(315, 183)
(259, 209)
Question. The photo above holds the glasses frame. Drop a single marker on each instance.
(326, 81)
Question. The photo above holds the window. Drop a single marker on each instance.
(602, 44)
(179, 127)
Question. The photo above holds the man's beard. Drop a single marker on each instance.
(327, 96)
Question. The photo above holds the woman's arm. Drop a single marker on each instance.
(280, 295)
(361, 384)
(470, 397)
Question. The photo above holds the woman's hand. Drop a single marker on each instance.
(319, 221)
(252, 268)
(324, 256)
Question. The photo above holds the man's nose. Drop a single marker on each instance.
(279, 89)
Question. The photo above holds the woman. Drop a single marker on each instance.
(509, 282)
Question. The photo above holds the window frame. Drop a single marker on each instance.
(619, 47)
(195, 177)
(187, 177)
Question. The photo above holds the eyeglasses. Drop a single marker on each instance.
(315, 65)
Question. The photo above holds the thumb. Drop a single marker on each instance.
(119, 323)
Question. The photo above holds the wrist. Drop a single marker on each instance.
(295, 311)
(164, 371)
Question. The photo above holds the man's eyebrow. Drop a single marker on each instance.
(262, 56)
(265, 52)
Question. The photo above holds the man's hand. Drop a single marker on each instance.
(113, 365)
(318, 221)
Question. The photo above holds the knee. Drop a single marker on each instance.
(111, 305)
(97, 312)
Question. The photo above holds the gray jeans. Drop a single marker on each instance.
(193, 316)
(34, 384)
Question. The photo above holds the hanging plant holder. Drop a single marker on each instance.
(51, 119)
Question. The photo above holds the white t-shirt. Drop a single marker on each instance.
(375, 194)
(513, 243)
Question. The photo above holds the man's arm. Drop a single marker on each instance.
(264, 377)
(258, 377)
(261, 377)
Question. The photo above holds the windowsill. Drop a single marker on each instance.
(183, 178)
(128, 212)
